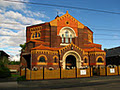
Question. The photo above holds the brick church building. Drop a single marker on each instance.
(63, 42)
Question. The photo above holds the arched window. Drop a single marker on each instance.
(42, 59)
(70, 38)
(85, 60)
(62, 38)
(36, 34)
(32, 35)
(100, 60)
(55, 60)
(66, 37)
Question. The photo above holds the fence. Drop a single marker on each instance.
(22, 72)
(113, 70)
(72, 73)
(99, 71)
(55, 74)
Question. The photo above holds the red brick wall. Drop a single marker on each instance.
(14, 67)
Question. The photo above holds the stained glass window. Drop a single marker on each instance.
(32, 35)
(39, 35)
(36, 34)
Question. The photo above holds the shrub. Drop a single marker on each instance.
(21, 78)
(4, 72)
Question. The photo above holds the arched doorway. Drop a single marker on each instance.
(70, 61)
(76, 59)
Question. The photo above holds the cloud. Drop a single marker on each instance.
(33, 14)
(13, 5)
(20, 18)
(15, 21)
(14, 58)
(0, 10)
(14, 17)
(59, 12)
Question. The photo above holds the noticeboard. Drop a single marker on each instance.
(112, 70)
(82, 72)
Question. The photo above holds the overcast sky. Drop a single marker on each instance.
(14, 17)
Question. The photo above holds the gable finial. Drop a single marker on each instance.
(67, 11)
(57, 15)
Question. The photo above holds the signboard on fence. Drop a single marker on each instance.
(112, 70)
(82, 72)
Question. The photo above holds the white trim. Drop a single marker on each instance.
(63, 44)
(75, 54)
(69, 29)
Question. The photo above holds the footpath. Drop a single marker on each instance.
(61, 83)
(76, 82)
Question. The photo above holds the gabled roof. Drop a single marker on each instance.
(88, 29)
(38, 41)
(37, 24)
(34, 41)
(3, 53)
(69, 46)
(92, 45)
(54, 22)
(113, 52)
(41, 47)
(94, 49)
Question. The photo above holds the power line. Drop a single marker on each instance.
(80, 33)
(87, 9)
(107, 34)
(105, 29)
(107, 39)
(101, 29)
(93, 39)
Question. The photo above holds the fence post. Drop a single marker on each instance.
(43, 73)
(30, 73)
(106, 70)
(118, 69)
(20, 71)
(60, 72)
(90, 71)
(25, 72)
(76, 72)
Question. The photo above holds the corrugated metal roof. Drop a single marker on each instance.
(112, 52)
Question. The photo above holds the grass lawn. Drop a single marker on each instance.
(15, 75)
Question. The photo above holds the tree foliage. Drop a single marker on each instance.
(23, 46)
(14, 63)
(4, 60)
(4, 71)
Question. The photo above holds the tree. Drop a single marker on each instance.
(14, 63)
(4, 71)
(23, 46)
(4, 60)
(105, 49)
